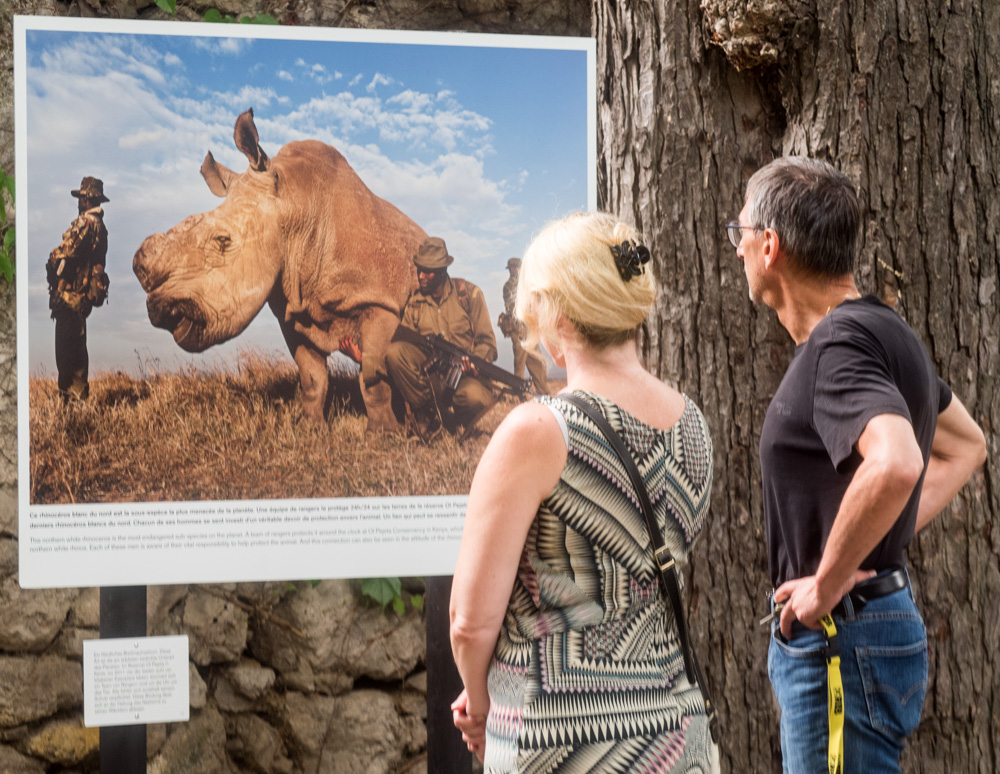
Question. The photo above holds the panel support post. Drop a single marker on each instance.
(123, 614)
(445, 749)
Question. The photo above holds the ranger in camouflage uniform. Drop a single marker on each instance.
(78, 283)
(455, 309)
(513, 329)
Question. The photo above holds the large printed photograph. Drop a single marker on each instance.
(266, 263)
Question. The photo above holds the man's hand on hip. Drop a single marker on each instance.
(805, 602)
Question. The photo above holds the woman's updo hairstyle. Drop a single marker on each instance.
(572, 268)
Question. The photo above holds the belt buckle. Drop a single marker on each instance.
(664, 566)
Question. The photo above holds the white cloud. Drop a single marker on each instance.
(248, 96)
(172, 60)
(379, 80)
(286, 76)
(224, 46)
(234, 45)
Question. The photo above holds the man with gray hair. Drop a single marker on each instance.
(862, 445)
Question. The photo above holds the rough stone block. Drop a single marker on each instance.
(12, 762)
(195, 747)
(217, 629)
(30, 619)
(33, 688)
(66, 742)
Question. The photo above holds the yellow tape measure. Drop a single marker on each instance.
(835, 692)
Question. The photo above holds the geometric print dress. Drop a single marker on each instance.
(588, 672)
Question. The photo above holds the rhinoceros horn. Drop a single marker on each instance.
(245, 136)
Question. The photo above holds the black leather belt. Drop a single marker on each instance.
(873, 588)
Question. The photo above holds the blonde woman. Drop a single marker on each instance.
(565, 643)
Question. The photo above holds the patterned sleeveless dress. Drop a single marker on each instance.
(588, 675)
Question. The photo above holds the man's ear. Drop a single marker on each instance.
(771, 248)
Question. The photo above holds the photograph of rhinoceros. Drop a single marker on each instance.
(302, 234)
(271, 194)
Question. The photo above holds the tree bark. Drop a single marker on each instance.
(905, 99)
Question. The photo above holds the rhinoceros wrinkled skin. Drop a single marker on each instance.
(301, 232)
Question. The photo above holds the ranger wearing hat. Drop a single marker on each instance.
(456, 310)
(78, 283)
(513, 329)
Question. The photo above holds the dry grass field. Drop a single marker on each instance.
(230, 434)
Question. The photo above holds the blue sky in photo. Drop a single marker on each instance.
(479, 145)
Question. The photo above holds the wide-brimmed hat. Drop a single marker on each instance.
(514, 263)
(433, 255)
(93, 188)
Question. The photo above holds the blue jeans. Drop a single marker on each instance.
(884, 669)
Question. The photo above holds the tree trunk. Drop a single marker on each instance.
(904, 98)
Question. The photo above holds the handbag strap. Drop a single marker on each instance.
(664, 561)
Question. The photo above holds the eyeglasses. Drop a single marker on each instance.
(734, 230)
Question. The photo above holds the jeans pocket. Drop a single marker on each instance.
(895, 683)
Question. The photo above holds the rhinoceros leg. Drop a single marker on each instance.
(376, 332)
(313, 376)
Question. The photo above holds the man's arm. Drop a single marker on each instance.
(878, 492)
(958, 449)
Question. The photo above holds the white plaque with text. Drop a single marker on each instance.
(135, 680)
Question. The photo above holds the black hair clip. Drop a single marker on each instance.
(629, 258)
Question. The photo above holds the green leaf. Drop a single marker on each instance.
(399, 605)
(382, 590)
(213, 15)
(7, 184)
(3, 212)
(289, 586)
(170, 6)
(315, 583)
(8, 241)
(417, 600)
(6, 268)
(261, 18)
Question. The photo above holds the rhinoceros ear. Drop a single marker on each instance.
(216, 175)
(245, 135)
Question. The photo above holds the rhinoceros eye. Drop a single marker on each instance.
(223, 242)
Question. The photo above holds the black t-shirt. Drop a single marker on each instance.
(860, 361)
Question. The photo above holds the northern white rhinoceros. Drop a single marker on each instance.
(301, 232)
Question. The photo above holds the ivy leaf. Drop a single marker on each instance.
(399, 606)
(170, 6)
(7, 184)
(417, 600)
(8, 241)
(6, 269)
(214, 15)
(382, 590)
(261, 18)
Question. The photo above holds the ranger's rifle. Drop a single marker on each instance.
(445, 359)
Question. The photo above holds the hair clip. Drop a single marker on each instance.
(629, 258)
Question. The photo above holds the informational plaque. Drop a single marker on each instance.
(135, 680)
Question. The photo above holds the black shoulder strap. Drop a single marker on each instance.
(665, 563)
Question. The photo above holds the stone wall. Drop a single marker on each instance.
(285, 678)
